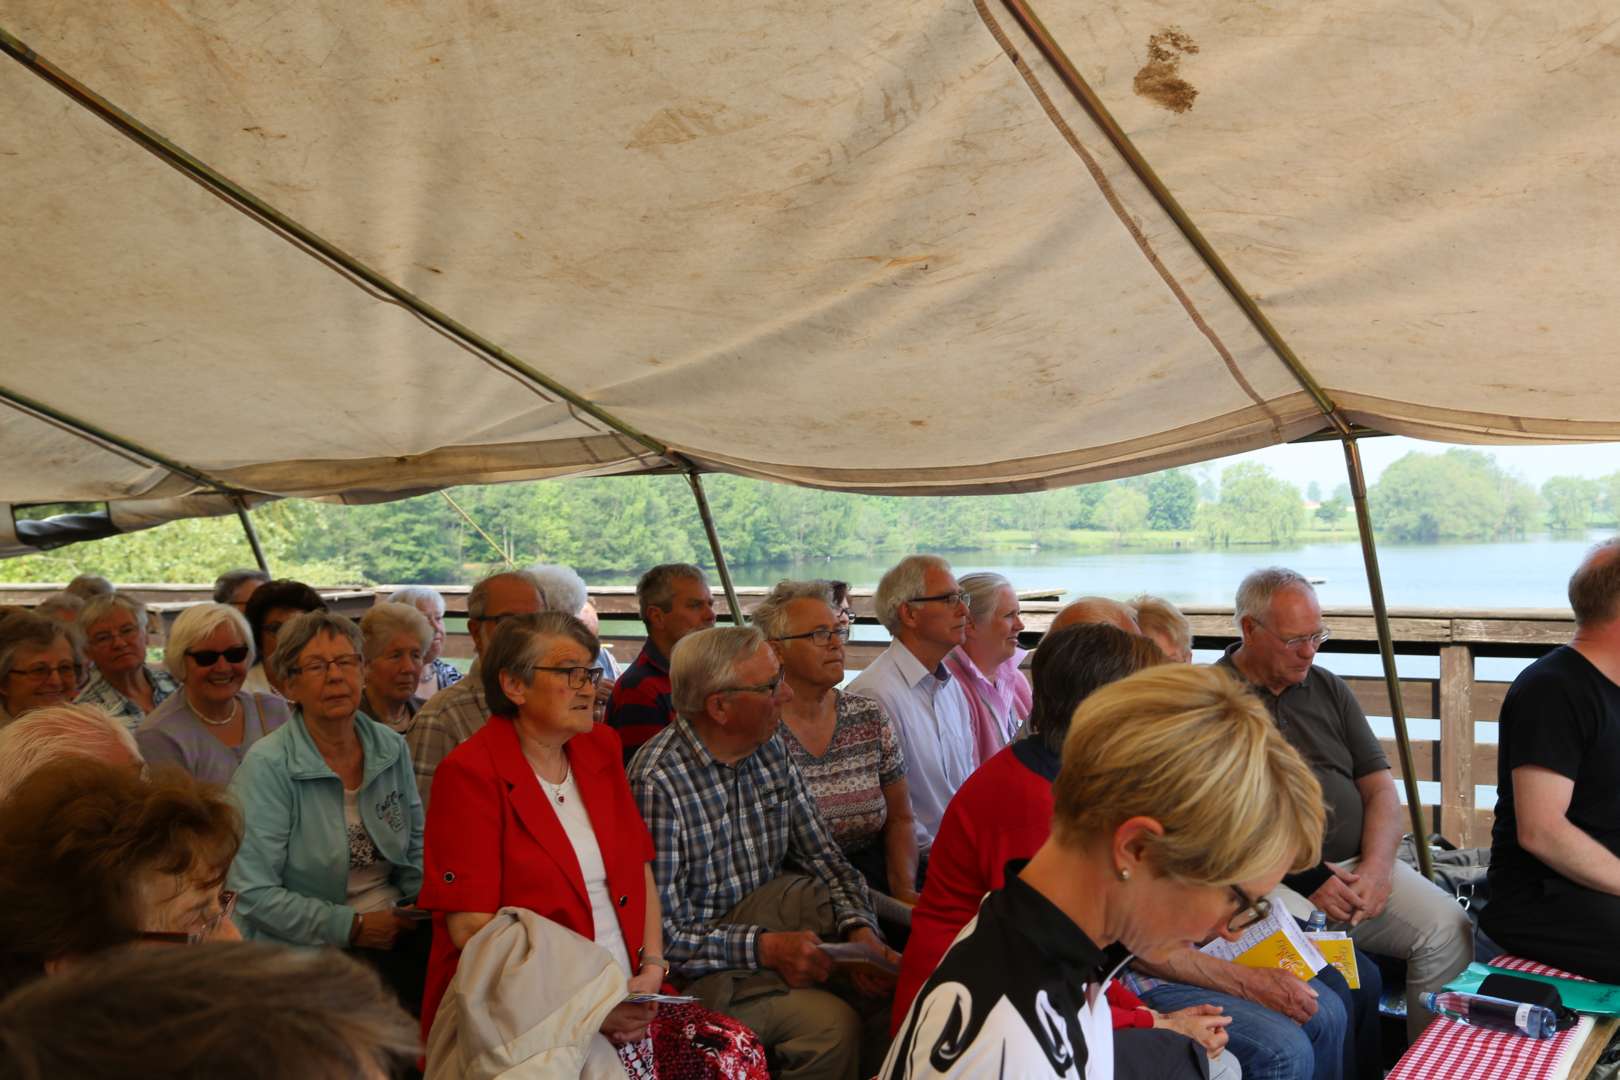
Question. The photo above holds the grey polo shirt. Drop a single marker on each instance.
(1322, 719)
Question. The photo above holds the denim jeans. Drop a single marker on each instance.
(1268, 1044)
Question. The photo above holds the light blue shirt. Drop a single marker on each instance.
(930, 711)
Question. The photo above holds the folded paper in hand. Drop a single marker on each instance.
(858, 954)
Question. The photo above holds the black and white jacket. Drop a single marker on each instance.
(1019, 995)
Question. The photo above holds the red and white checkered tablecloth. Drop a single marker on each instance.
(1448, 1050)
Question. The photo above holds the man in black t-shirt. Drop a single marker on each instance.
(1555, 847)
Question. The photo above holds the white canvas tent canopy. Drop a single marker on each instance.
(366, 248)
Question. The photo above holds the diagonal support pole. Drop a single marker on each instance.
(732, 602)
(252, 535)
(1342, 429)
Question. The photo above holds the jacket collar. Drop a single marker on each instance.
(304, 760)
(533, 809)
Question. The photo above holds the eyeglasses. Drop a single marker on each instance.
(1313, 640)
(399, 656)
(949, 599)
(820, 637)
(127, 632)
(202, 932)
(495, 618)
(68, 673)
(577, 676)
(209, 657)
(346, 665)
(1249, 912)
(763, 688)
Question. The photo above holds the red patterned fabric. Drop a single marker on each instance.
(688, 1042)
(1448, 1050)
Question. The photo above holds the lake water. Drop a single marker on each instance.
(1529, 573)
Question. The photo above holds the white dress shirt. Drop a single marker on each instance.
(930, 711)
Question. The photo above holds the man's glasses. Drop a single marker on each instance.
(202, 932)
(127, 632)
(345, 665)
(1313, 640)
(763, 688)
(209, 657)
(497, 619)
(577, 676)
(949, 599)
(68, 673)
(821, 637)
(1249, 912)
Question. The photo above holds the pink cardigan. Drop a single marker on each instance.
(991, 728)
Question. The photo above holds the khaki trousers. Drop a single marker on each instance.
(811, 1034)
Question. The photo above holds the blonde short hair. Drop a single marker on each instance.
(1193, 749)
(196, 623)
(1156, 615)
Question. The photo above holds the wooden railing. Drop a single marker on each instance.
(1458, 759)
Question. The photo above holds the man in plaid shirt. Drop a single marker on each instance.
(729, 812)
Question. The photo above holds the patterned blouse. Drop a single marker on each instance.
(847, 781)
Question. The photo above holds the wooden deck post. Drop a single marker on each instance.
(1457, 745)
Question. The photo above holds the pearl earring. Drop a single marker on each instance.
(1123, 874)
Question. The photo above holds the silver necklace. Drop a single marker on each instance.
(235, 704)
(556, 789)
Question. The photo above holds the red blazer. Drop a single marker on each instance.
(493, 840)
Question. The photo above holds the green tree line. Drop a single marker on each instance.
(622, 524)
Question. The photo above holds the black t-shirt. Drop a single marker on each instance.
(1561, 714)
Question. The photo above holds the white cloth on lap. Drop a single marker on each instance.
(527, 1002)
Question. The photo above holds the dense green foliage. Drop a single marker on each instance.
(1457, 495)
(622, 524)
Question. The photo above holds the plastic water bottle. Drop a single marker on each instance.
(1536, 1021)
(1317, 921)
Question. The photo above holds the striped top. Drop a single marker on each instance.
(847, 781)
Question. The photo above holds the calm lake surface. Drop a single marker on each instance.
(1529, 573)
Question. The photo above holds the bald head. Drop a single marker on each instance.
(1096, 609)
(1594, 588)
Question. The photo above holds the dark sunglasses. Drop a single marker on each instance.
(209, 657)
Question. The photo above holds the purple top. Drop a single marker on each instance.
(171, 734)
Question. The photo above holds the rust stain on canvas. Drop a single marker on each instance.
(1160, 79)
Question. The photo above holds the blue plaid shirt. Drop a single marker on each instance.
(720, 832)
(98, 691)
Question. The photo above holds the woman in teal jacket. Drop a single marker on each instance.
(332, 845)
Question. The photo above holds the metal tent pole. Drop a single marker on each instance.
(252, 535)
(1343, 430)
(1386, 646)
(732, 602)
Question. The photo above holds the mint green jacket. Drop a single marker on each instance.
(291, 875)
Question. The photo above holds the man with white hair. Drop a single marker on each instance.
(920, 603)
(452, 715)
(729, 814)
(1388, 907)
(1555, 847)
(62, 731)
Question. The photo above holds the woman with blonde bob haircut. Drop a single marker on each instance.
(1178, 807)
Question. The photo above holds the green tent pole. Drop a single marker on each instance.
(252, 535)
(732, 602)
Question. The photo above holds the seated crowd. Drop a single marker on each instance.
(971, 860)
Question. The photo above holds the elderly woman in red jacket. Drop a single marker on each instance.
(534, 811)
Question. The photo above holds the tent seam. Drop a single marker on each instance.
(1118, 207)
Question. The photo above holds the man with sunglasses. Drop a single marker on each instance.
(920, 603)
(451, 716)
(1388, 907)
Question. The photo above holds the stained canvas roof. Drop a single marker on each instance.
(870, 246)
